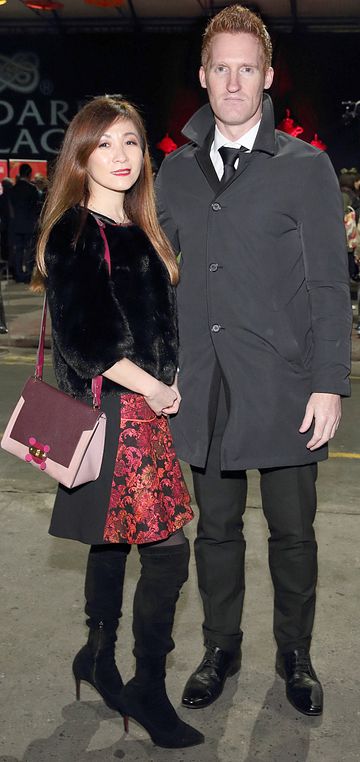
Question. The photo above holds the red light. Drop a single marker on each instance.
(288, 125)
(166, 145)
(43, 5)
(318, 143)
(105, 3)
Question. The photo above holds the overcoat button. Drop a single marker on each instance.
(213, 267)
(216, 207)
(216, 328)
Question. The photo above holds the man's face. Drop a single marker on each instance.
(235, 79)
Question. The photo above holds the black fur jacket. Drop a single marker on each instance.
(99, 318)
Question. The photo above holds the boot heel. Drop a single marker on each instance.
(150, 707)
(126, 723)
(95, 664)
(77, 688)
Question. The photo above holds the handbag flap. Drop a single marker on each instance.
(53, 419)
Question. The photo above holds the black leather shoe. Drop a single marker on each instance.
(303, 688)
(207, 682)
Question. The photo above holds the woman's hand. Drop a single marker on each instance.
(162, 398)
(175, 407)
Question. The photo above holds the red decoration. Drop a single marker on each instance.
(43, 5)
(105, 3)
(38, 166)
(3, 169)
(37, 452)
(166, 145)
(288, 125)
(318, 143)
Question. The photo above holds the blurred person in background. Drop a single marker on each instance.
(24, 213)
(349, 180)
(6, 187)
(41, 184)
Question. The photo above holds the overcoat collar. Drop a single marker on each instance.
(200, 130)
(202, 123)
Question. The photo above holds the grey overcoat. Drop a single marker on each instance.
(263, 295)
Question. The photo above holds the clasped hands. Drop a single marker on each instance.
(163, 399)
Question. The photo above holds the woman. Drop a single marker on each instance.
(116, 317)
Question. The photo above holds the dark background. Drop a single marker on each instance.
(314, 73)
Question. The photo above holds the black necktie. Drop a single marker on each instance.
(229, 157)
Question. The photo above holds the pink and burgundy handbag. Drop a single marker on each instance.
(54, 432)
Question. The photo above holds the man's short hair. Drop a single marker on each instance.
(234, 19)
(25, 170)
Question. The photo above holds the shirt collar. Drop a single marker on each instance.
(247, 140)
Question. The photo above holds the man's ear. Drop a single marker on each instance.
(202, 77)
(269, 76)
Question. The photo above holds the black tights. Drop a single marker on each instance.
(177, 538)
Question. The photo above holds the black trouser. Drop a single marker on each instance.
(23, 256)
(289, 505)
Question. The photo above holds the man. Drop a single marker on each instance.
(24, 213)
(264, 324)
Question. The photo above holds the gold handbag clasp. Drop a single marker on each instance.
(37, 453)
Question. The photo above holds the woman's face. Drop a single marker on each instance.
(115, 164)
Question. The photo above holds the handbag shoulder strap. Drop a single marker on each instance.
(106, 245)
(39, 369)
(96, 383)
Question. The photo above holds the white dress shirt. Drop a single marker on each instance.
(247, 140)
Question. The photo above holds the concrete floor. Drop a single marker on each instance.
(42, 626)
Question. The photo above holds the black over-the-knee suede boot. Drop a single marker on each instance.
(144, 698)
(95, 662)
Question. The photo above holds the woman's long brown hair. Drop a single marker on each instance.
(69, 184)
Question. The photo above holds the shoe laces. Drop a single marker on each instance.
(210, 656)
(301, 661)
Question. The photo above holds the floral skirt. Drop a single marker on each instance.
(149, 499)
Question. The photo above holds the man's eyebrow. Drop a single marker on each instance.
(221, 62)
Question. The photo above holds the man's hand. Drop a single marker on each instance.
(326, 409)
